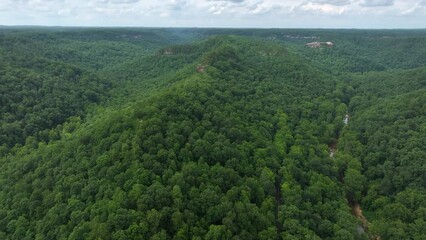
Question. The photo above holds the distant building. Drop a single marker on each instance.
(330, 44)
(319, 44)
(314, 44)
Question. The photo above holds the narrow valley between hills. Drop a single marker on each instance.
(354, 205)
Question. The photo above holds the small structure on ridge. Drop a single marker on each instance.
(319, 44)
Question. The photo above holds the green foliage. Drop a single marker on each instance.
(113, 143)
(387, 135)
(37, 95)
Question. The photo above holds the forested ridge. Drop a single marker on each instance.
(211, 134)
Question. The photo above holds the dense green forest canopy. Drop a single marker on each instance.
(139, 133)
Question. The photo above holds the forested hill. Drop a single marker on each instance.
(50, 74)
(388, 135)
(222, 137)
(37, 94)
(89, 48)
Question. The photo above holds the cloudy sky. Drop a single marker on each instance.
(217, 13)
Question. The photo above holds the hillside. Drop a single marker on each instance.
(88, 48)
(387, 134)
(51, 74)
(37, 94)
(221, 137)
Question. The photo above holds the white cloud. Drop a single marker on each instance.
(377, 3)
(232, 1)
(322, 8)
(333, 2)
(222, 13)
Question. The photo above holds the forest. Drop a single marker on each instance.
(145, 133)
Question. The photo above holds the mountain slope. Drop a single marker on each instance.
(387, 134)
(92, 49)
(228, 152)
(36, 95)
(228, 137)
(50, 74)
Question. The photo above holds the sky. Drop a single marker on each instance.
(217, 13)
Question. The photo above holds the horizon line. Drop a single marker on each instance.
(202, 27)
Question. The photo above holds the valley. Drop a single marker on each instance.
(145, 133)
